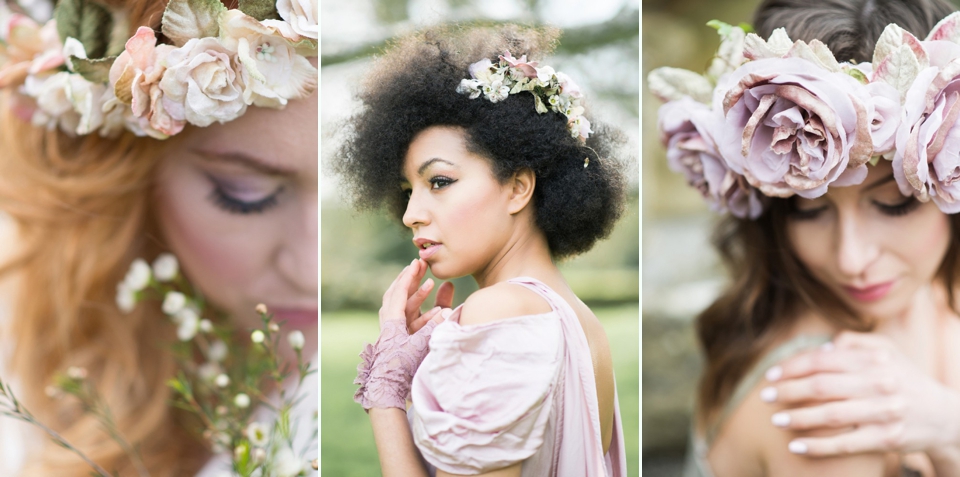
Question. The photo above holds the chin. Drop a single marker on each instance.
(445, 271)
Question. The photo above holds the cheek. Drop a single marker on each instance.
(925, 240)
(809, 242)
(208, 242)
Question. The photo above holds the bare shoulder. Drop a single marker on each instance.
(748, 444)
(500, 301)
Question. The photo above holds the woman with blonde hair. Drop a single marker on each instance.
(92, 182)
(485, 153)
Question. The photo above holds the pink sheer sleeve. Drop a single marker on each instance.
(387, 367)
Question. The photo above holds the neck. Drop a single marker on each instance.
(525, 254)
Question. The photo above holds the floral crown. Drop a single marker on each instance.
(779, 118)
(551, 90)
(82, 74)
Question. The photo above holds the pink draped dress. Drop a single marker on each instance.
(520, 389)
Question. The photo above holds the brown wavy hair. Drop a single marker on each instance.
(770, 287)
(83, 211)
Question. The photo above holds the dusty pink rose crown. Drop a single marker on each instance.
(779, 118)
(216, 63)
(552, 90)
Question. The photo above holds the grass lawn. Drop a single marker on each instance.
(346, 440)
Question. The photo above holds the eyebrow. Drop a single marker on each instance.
(430, 162)
(246, 160)
(879, 182)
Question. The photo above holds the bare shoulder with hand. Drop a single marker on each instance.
(501, 301)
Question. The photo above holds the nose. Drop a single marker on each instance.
(857, 248)
(416, 214)
(297, 258)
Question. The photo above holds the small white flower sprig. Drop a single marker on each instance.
(222, 392)
(552, 90)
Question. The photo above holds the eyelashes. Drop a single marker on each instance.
(436, 183)
(231, 204)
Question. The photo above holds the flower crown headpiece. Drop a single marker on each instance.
(81, 73)
(551, 90)
(780, 118)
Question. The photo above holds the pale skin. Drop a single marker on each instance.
(868, 402)
(485, 229)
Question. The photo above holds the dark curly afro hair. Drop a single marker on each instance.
(413, 87)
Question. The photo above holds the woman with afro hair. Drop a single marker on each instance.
(484, 153)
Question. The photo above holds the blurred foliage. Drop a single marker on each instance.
(345, 431)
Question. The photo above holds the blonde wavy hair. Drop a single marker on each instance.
(83, 211)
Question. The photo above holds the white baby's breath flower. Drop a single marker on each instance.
(208, 371)
(257, 433)
(138, 277)
(258, 455)
(187, 313)
(222, 380)
(273, 327)
(296, 339)
(187, 328)
(76, 372)
(126, 298)
(206, 326)
(173, 302)
(257, 336)
(217, 351)
(287, 463)
(165, 267)
(242, 401)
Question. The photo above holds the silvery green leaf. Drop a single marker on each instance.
(87, 21)
(892, 41)
(671, 84)
(947, 29)
(186, 19)
(899, 69)
(815, 52)
(95, 71)
(260, 9)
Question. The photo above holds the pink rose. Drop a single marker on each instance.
(135, 76)
(687, 129)
(791, 127)
(529, 68)
(28, 48)
(927, 160)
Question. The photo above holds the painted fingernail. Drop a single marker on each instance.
(774, 373)
(828, 346)
(797, 447)
(768, 394)
(446, 313)
(780, 419)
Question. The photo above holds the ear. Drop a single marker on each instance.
(522, 184)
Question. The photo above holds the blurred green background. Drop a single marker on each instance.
(361, 254)
(681, 273)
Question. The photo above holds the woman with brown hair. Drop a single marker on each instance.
(88, 193)
(829, 136)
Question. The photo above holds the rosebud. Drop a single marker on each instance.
(242, 401)
(165, 267)
(257, 336)
(222, 380)
(273, 327)
(206, 326)
(296, 340)
(261, 308)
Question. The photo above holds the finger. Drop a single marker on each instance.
(419, 271)
(423, 319)
(829, 386)
(822, 360)
(414, 302)
(840, 414)
(397, 299)
(854, 340)
(445, 295)
(869, 438)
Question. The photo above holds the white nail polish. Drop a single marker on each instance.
(768, 394)
(797, 447)
(780, 419)
(774, 373)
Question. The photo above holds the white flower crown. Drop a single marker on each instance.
(781, 117)
(84, 76)
(548, 87)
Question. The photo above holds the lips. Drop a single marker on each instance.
(869, 293)
(428, 247)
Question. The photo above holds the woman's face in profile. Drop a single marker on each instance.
(237, 204)
(458, 210)
(872, 246)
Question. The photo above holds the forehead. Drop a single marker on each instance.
(446, 143)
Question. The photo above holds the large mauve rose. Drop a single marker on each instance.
(687, 129)
(792, 127)
(927, 161)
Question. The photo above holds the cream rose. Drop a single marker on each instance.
(200, 84)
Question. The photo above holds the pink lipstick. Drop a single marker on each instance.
(870, 293)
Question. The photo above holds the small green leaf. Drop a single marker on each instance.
(746, 27)
(260, 9)
(87, 21)
(858, 75)
(96, 71)
(874, 160)
(722, 28)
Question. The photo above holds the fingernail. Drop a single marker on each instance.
(781, 419)
(426, 284)
(828, 346)
(446, 313)
(768, 394)
(774, 373)
(435, 309)
(413, 262)
(797, 447)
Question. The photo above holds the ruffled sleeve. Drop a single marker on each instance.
(484, 394)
